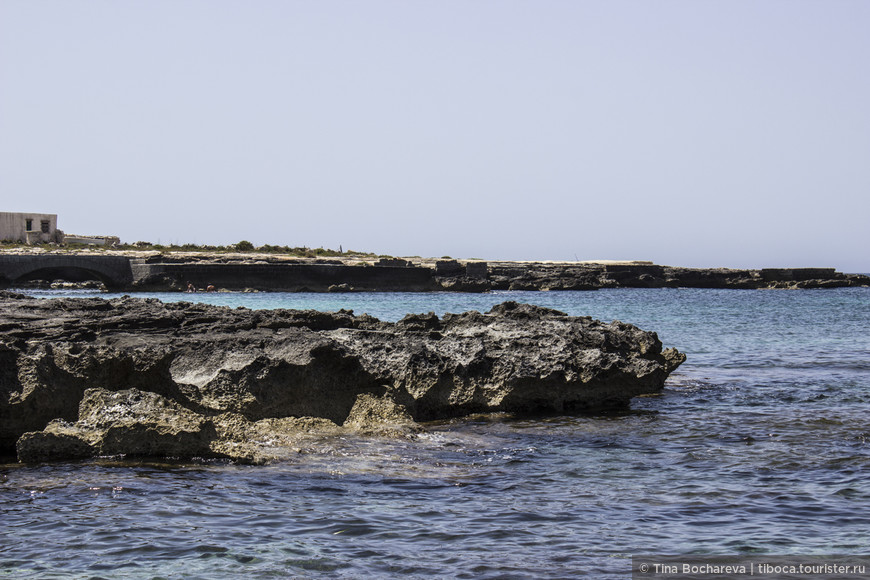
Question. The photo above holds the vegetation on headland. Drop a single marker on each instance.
(243, 246)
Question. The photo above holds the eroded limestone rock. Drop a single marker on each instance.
(83, 377)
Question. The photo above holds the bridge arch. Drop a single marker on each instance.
(113, 271)
(67, 274)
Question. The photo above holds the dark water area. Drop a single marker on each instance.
(757, 445)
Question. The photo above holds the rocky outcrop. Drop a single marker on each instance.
(581, 276)
(130, 422)
(476, 276)
(149, 271)
(84, 377)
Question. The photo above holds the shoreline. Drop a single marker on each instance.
(149, 271)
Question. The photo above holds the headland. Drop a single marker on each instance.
(132, 271)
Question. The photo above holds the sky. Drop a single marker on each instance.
(689, 133)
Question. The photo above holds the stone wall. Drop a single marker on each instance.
(286, 277)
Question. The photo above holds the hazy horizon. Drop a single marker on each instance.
(685, 133)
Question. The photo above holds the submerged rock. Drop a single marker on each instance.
(90, 377)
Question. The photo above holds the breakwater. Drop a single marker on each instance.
(169, 272)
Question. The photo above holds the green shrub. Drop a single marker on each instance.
(244, 246)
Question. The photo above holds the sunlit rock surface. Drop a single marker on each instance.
(90, 377)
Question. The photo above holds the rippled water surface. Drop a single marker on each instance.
(759, 444)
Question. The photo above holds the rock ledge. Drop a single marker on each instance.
(92, 377)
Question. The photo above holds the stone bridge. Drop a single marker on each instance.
(113, 271)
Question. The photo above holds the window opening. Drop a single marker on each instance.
(28, 225)
(45, 225)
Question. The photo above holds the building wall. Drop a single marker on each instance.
(43, 227)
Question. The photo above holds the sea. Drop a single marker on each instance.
(759, 444)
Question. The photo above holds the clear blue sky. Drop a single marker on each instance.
(696, 133)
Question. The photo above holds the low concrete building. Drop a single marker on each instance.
(109, 241)
(29, 228)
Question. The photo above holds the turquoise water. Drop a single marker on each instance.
(759, 444)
